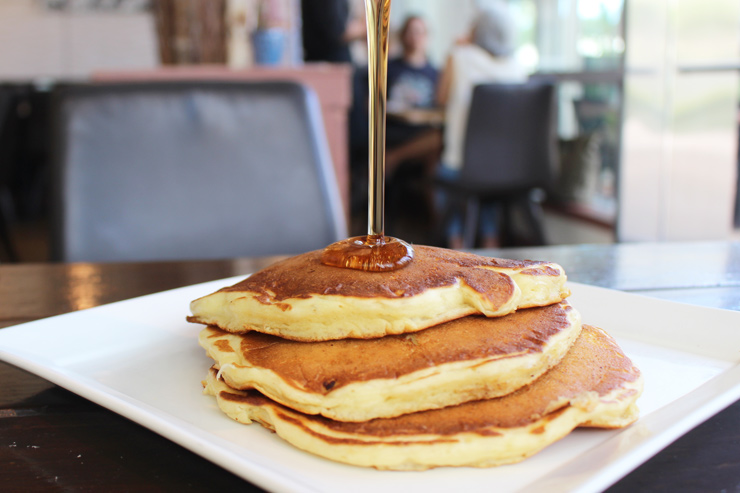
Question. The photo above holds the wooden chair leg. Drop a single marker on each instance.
(536, 218)
(470, 227)
(443, 216)
(505, 227)
(5, 239)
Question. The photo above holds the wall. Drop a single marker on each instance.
(448, 21)
(679, 145)
(38, 43)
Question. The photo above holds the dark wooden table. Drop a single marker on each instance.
(53, 440)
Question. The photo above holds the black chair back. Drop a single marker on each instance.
(186, 170)
(511, 141)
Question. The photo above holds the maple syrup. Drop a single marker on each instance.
(371, 253)
(374, 252)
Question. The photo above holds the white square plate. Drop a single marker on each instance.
(140, 359)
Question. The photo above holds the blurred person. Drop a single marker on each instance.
(485, 57)
(412, 84)
(413, 142)
(329, 30)
(412, 80)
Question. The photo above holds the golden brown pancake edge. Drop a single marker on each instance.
(302, 299)
(595, 377)
(355, 380)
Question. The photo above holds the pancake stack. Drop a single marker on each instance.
(454, 360)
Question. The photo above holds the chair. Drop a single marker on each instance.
(509, 159)
(6, 201)
(185, 170)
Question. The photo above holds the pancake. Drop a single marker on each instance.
(304, 300)
(462, 360)
(595, 385)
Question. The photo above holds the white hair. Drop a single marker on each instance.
(494, 29)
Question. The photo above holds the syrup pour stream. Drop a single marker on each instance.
(374, 252)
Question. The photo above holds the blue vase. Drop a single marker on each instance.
(269, 46)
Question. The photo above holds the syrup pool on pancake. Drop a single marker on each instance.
(374, 252)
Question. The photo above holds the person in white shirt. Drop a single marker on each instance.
(487, 57)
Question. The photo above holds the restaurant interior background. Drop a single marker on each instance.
(648, 95)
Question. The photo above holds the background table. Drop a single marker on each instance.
(53, 440)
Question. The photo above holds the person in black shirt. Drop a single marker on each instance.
(412, 80)
(413, 145)
(328, 31)
(412, 84)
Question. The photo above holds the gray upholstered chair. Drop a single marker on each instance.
(186, 170)
(510, 157)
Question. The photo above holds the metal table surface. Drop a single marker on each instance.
(53, 440)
